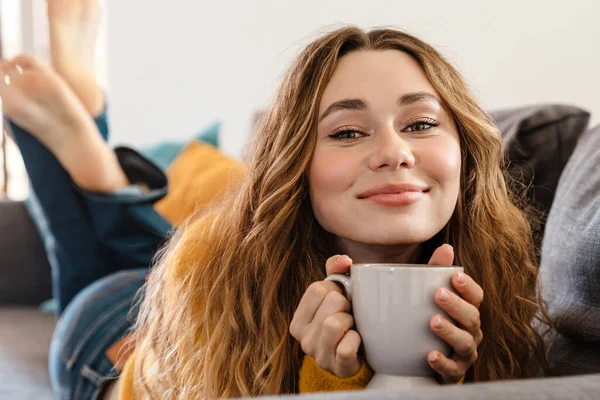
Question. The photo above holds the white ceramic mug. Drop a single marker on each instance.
(392, 306)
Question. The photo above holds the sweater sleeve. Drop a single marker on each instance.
(126, 388)
(315, 379)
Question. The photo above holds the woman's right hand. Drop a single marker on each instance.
(323, 325)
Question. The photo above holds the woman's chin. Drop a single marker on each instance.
(380, 239)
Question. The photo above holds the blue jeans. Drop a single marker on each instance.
(100, 248)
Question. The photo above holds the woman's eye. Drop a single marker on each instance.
(348, 134)
(420, 126)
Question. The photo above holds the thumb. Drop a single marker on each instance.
(338, 265)
(443, 255)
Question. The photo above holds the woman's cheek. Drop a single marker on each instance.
(446, 161)
(330, 176)
(332, 171)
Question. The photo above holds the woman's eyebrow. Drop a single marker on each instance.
(346, 104)
(417, 97)
(359, 104)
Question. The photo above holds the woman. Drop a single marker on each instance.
(375, 149)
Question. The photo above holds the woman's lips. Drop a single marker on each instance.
(395, 195)
(396, 199)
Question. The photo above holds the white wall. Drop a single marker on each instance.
(10, 27)
(25, 30)
(175, 66)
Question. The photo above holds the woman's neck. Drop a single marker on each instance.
(361, 253)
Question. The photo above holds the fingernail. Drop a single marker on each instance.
(434, 357)
(462, 279)
(449, 245)
(437, 323)
(444, 296)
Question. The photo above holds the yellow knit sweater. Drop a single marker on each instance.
(312, 379)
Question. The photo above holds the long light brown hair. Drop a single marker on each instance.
(218, 305)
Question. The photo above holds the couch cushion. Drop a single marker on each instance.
(571, 388)
(538, 141)
(25, 335)
(570, 261)
(198, 177)
(24, 268)
(164, 153)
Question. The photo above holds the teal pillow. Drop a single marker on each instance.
(164, 153)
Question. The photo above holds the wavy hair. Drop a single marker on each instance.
(215, 318)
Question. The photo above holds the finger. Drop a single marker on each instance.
(451, 371)
(338, 264)
(460, 340)
(346, 355)
(465, 314)
(333, 303)
(309, 304)
(468, 288)
(334, 329)
(443, 255)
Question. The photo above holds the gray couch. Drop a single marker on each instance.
(25, 331)
(539, 140)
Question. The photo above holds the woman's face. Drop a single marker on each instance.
(386, 167)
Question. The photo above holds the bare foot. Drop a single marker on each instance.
(73, 32)
(38, 100)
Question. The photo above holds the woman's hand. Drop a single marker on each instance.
(464, 309)
(323, 325)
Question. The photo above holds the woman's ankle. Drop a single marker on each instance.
(91, 163)
(83, 83)
(73, 34)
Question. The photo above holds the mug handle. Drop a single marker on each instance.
(345, 281)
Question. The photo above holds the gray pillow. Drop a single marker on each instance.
(570, 261)
(24, 269)
(538, 141)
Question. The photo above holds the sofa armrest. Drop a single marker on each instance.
(582, 387)
(25, 276)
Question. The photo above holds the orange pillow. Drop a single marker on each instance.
(199, 176)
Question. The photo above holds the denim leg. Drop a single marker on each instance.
(125, 221)
(76, 257)
(102, 124)
(98, 316)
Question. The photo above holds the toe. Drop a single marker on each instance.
(26, 61)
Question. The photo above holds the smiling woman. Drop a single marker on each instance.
(375, 149)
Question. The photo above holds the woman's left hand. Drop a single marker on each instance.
(464, 309)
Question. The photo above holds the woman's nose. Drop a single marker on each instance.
(391, 152)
